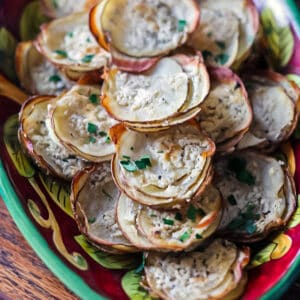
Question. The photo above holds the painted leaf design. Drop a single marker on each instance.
(31, 20)
(279, 40)
(58, 191)
(107, 260)
(7, 53)
(131, 285)
(295, 220)
(20, 160)
(277, 248)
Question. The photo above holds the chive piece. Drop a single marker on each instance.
(87, 58)
(88, 40)
(206, 54)
(92, 128)
(222, 58)
(221, 44)
(126, 157)
(231, 200)
(246, 177)
(131, 148)
(185, 236)
(62, 53)
(102, 133)
(91, 220)
(107, 140)
(181, 25)
(250, 227)
(94, 98)
(178, 216)
(143, 162)
(128, 165)
(160, 151)
(70, 34)
(168, 221)
(153, 216)
(192, 213)
(106, 194)
(92, 140)
(54, 78)
(238, 166)
(198, 236)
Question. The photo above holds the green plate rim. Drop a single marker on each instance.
(37, 242)
(68, 277)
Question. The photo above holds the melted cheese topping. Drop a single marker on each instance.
(155, 95)
(265, 197)
(197, 274)
(217, 37)
(177, 158)
(55, 154)
(147, 28)
(225, 112)
(74, 114)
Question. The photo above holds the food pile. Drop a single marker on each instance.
(150, 109)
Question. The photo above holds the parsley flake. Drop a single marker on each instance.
(192, 213)
(61, 53)
(198, 236)
(87, 58)
(143, 163)
(93, 98)
(70, 34)
(221, 44)
(222, 58)
(178, 216)
(238, 165)
(168, 221)
(107, 140)
(102, 133)
(92, 128)
(206, 54)
(126, 157)
(91, 220)
(231, 200)
(128, 165)
(92, 139)
(54, 78)
(185, 236)
(181, 25)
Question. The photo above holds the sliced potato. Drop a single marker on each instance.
(82, 124)
(94, 199)
(67, 42)
(259, 195)
(183, 229)
(170, 92)
(270, 94)
(162, 167)
(34, 135)
(210, 274)
(226, 114)
(226, 32)
(36, 74)
(61, 8)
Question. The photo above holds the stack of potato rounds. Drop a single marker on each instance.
(166, 147)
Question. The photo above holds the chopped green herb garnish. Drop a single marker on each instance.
(91, 220)
(198, 236)
(92, 139)
(107, 140)
(92, 128)
(62, 53)
(238, 166)
(206, 54)
(185, 236)
(160, 151)
(140, 268)
(209, 34)
(178, 216)
(87, 58)
(192, 213)
(181, 25)
(231, 200)
(88, 40)
(250, 227)
(54, 78)
(94, 98)
(222, 58)
(102, 133)
(126, 157)
(70, 34)
(168, 221)
(221, 44)
(153, 216)
(143, 163)
(128, 165)
(106, 194)
(131, 148)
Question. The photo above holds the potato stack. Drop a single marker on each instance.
(141, 104)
